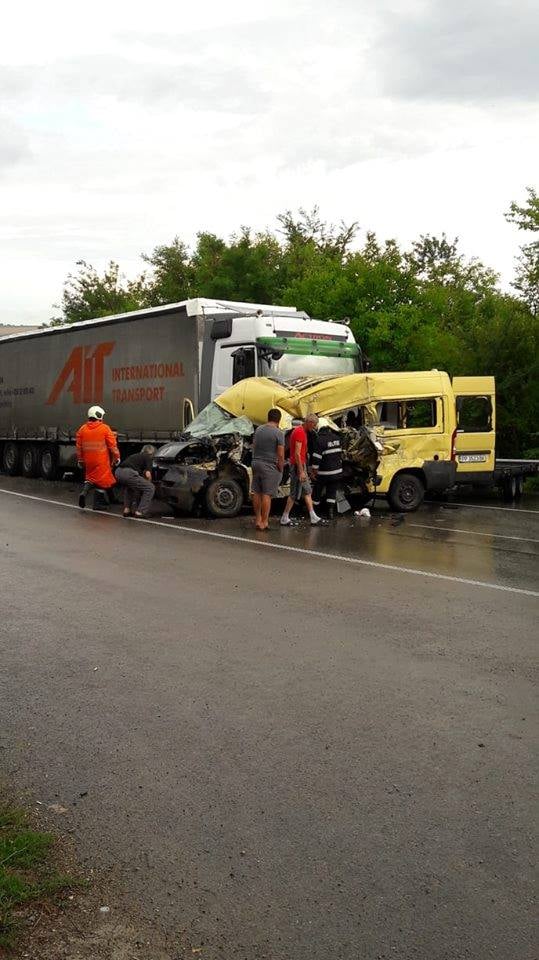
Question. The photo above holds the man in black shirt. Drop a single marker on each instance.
(135, 475)
(327, 467)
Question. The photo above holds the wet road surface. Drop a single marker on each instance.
(289, 753)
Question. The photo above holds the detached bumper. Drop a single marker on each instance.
(440, 474)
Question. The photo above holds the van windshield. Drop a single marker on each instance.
(214, 421)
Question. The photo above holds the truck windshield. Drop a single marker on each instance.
(289, 366)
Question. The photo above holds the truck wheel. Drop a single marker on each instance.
(11, 459)
(29, 460)
(509, 489)
(406, 492)
(224, 498)
(48, 463)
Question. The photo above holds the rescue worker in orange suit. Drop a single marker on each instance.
(97, 450)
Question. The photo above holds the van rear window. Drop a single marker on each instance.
(408, 414)
(474, 414)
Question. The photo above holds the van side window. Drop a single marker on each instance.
(407, 414)
(419, 413)
(474, 414)
(388, 414)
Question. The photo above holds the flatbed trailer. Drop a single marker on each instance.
(508, 476)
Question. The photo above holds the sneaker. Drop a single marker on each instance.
(285, 523)
(315, 521)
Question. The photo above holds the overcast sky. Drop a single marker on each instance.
(126, 123)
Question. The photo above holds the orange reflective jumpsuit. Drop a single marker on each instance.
(96, 446)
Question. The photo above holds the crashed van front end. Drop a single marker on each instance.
(209, 467)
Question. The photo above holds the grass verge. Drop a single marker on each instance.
(29, 877)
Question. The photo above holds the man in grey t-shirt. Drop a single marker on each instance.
(268, 463)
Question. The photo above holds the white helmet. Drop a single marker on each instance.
(96, 413)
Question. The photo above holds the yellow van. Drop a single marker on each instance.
(434, 433)
(413, 413)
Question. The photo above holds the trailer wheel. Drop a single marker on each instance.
(11, 458)
(29, 460)
(224, 498)
(48, 463)
(406, 492)
(509, 489)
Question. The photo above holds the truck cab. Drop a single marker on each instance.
(241, 340)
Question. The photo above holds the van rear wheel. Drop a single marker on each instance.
(406, 493)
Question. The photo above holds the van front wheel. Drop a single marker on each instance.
(224, 498)
(406, 493)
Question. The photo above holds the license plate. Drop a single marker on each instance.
(473, 457)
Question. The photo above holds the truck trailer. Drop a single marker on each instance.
(152, 370)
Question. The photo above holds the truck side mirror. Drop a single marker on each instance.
(188, 413)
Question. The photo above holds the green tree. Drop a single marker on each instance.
(246, 268)
(88, 294)
(171, 275)
(526, 281)
(504, 342)
(525, 217)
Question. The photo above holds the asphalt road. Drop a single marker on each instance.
(314, 753)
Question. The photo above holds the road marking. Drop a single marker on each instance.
(473, 533)
(486, 506)
(283, 546)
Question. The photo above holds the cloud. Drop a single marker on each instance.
(485, 50)
(218, 86)
(122, 131)
(13, 144)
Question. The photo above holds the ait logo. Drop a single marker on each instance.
(83, 373)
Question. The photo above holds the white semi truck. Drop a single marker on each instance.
(152, 370)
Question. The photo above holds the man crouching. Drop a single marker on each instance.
(135, 475)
